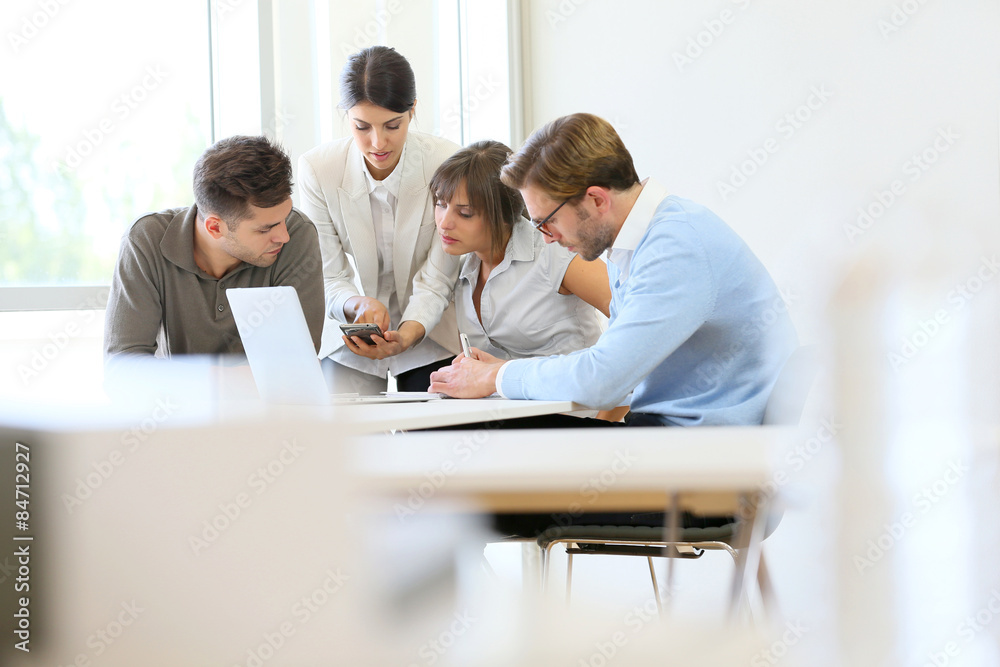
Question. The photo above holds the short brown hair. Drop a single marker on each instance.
(479, 166)
(570, 154)
(238, 172)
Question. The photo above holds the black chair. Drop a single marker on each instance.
(784, 408)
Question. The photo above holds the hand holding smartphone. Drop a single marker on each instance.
(363, 331)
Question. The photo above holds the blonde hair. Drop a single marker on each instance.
(570, 154)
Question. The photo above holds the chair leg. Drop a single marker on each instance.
(532, 565)
(752, 530)
(569, 575)
(767, 597)
(672, 533)
(546, 566)
(768, 601)
(656, 587)
(484, 564)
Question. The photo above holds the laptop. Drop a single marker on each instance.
(280, 350)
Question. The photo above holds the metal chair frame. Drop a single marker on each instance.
(651, 549)
(785, 406)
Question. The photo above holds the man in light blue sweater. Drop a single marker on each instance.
(698, 331)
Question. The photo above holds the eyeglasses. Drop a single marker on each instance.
(540, 224)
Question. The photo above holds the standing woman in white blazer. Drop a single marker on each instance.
(368, 196)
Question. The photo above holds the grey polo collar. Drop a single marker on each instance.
(177, 244)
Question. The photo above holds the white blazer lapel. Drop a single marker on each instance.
(355, 207)
(410, 210)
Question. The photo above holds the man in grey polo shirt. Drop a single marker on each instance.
(168, 294)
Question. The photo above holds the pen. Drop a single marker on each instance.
(465, 346)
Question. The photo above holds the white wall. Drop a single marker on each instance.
(689, 123)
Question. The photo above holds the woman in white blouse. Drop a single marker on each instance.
(368, 196)
(516, 296)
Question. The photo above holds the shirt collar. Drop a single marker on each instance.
(177, 244)
(634, 227)
(520, 248)
(390, 182)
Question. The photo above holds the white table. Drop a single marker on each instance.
(446, 412)
(704, 470)
(550, 469)
(356, 419)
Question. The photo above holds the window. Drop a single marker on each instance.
(472, 75)
(102, 115)
(485, 66)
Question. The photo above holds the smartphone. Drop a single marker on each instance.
(362, 331)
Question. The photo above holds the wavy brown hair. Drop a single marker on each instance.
(478, 166)
(570, 154)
